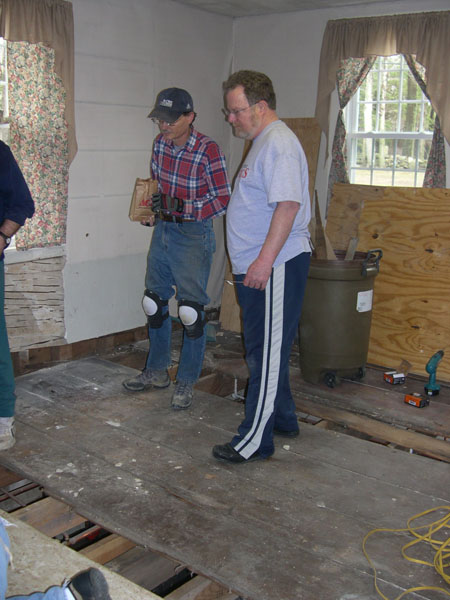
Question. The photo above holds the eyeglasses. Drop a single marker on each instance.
(227, 112)
(160, 121)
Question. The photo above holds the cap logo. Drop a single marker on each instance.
(166, 102)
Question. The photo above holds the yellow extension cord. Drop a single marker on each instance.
(442, 548)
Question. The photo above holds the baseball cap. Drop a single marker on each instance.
(171, 104)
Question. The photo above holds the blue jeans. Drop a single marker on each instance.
(270, 319)
(53, 593)
(180, 255)
(7, 386)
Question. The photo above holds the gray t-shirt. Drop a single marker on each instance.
(275, 170)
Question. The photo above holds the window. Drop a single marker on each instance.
(4, 127)
(390, 127)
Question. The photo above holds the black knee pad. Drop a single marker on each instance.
(191, 318)
(153, 305)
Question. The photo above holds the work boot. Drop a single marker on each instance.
(147, 379)
(182, 396)
(7, 433)
(89, 585)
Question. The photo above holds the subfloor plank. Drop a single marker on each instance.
(200, 588)
(144, 567)
(107, 548)
(7, 477)
(49, 516)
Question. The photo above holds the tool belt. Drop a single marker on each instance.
(166, 203)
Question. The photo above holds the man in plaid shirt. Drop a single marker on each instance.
(193, 190)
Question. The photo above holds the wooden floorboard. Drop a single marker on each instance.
(374, 398)
(284, 529)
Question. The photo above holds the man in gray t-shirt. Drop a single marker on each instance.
(268, 243)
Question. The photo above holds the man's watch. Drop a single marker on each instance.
(7, 239)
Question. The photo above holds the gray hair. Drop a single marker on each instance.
(257, 86)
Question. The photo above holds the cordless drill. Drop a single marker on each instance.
(432, 388)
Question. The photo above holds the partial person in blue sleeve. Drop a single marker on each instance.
(85, 585)
(16, 205)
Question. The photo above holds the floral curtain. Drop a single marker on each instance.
(435, 173)
(349, 77)
(48, 22)
(39, 140)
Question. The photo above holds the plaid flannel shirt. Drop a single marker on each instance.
(197, 174)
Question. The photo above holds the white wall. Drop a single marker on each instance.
(125, 52)
(287, 48)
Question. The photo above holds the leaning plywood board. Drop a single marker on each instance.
(308, 132)
(411, 310)
(344, 211)
(321, 243)
(230, 312)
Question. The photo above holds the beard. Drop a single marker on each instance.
(240, 133)
(249, 132)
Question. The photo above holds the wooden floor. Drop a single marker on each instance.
(289, 528)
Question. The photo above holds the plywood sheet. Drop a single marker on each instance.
(411, 311)
(308, 132)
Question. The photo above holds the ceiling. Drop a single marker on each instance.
(248, 8)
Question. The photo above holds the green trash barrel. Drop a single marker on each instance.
(336, 315)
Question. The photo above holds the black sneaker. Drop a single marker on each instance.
(89, 585)
(289, 434)
(227, 453)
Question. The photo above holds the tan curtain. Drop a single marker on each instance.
(49, 22)
(427, 35)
